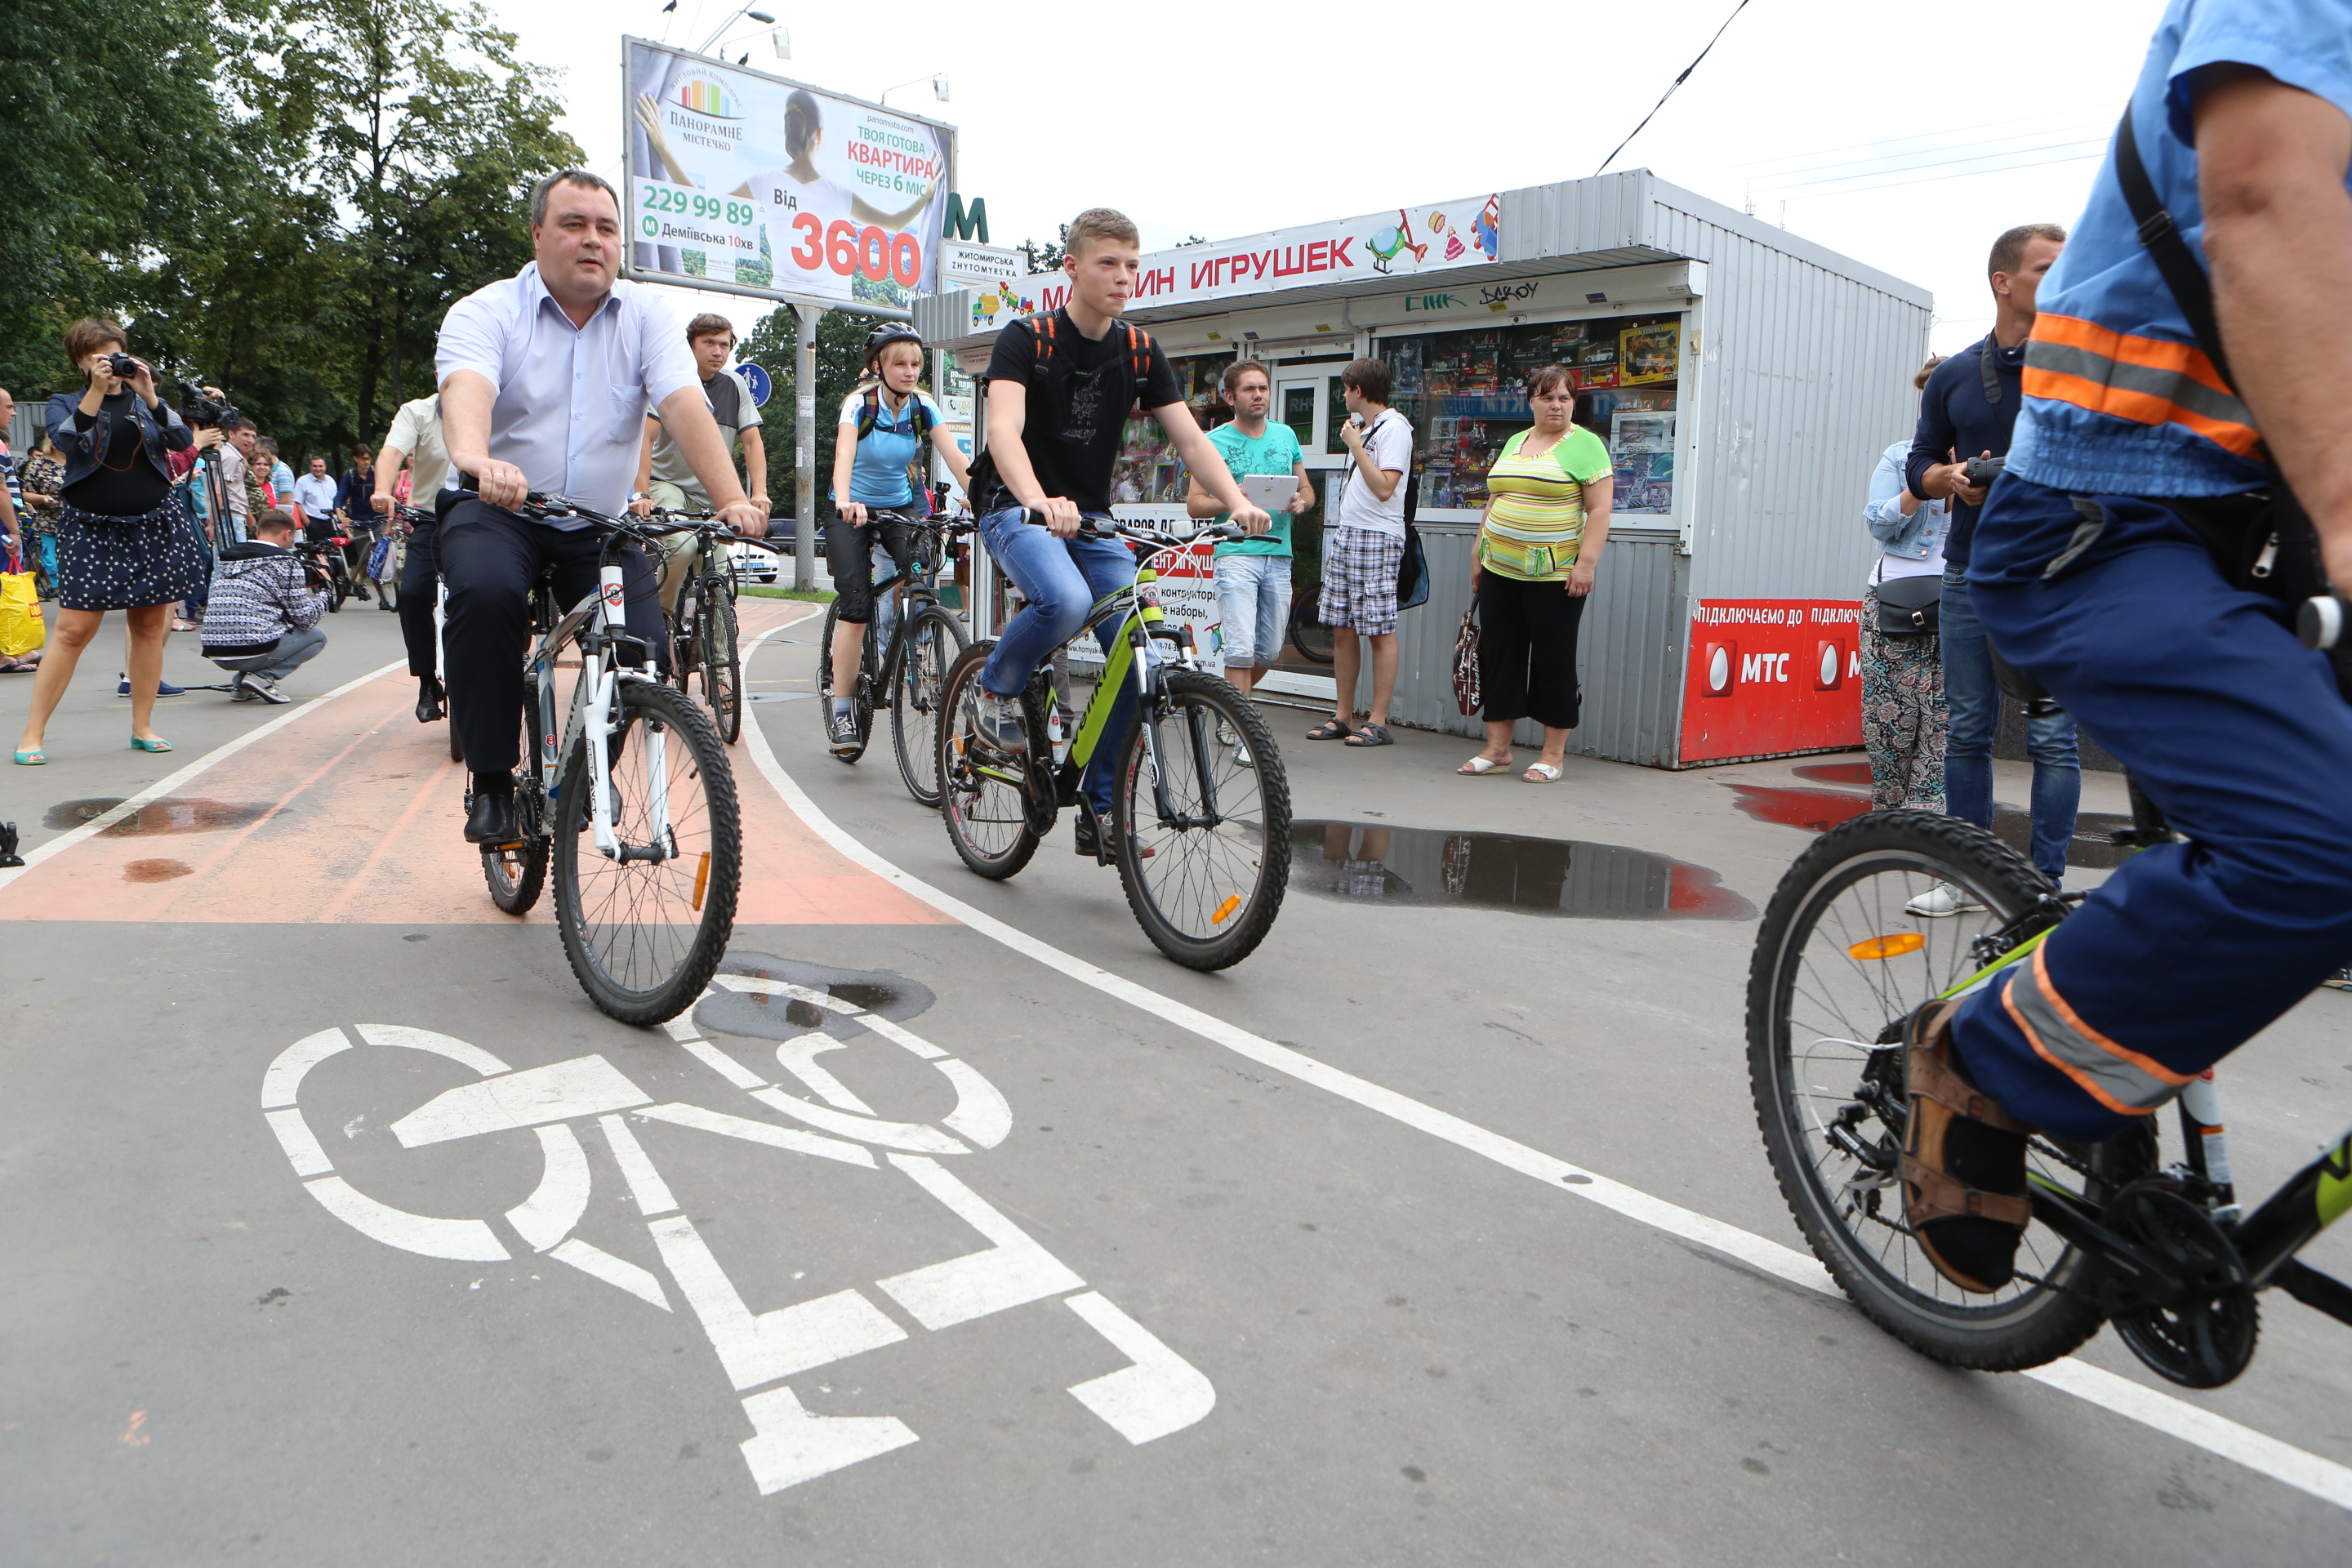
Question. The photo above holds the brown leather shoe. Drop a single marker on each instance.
(1963, 1163)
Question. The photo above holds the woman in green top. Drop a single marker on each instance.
(1531, 568)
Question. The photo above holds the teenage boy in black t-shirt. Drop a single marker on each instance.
(1059, 389)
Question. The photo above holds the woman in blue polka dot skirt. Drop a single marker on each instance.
(123, 542)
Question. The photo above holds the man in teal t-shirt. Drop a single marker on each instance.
(1253, 574)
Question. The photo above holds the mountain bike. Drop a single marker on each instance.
(903, 665)
(1202, 842)
(631, 799)
(2162, 1249)
(702, 640)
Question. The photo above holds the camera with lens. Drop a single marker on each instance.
(122, 365)
(199, 412)
(1982, 471)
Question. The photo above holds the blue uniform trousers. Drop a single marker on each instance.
(2239, 734)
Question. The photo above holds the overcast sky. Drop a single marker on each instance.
(1904, 135)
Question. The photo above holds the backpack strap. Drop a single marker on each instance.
(869, 411)
(2192, 290)
(1041, 333)
(1139, 354)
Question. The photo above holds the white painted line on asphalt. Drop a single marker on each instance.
(982, 1112)
(599, 1264)
(1012, 1273)
(917, 1136)
(645, 1184)
(760, 1349)
(795, 1445)
(752, 1132)
(283, 1082)
(1161, 1393)
(559, 1201)
(467, 1240)
(798, 1057)
(2322, 1479)
(211, 759)
(584, 1086)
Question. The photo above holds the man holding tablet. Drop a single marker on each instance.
(1254, 573)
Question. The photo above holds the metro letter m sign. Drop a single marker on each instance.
(967, 225)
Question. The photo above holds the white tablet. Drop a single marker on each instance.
(1270, 492)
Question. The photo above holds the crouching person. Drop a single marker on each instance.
(263, 616)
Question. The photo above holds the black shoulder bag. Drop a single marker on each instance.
(2261, 538)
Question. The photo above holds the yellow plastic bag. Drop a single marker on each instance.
(22, 629)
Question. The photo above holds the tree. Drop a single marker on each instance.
(1046, 258)
(840, 357)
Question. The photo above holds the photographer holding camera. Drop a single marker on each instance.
(123, 543)
(263, 619)
(1966, 414)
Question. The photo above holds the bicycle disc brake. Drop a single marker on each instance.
(2204, 1335)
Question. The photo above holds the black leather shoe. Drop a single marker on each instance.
(429, 695)
(491, 817)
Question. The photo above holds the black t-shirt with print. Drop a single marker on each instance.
(1079, 402)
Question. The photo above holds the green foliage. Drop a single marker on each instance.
(840, 356)
(1047, 256)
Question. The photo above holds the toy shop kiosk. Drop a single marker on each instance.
(1745, 380)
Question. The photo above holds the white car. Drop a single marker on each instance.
(754, 564)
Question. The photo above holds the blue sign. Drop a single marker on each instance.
(761, 387)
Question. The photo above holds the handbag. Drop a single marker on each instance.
(1909, 606)
(1412, 571)
(1468, 696)
(22, 628)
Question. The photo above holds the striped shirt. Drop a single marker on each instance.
(1535, 523)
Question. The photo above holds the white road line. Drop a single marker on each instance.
(645, 1184)
(1162, 1392)
(1013, 1272)
(2320, 1477)
(210, 759)
(762, 1347)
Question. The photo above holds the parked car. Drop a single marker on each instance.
(754, 564)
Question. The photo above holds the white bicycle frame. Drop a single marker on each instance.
(590, 723)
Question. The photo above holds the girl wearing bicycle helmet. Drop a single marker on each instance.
(885, 423)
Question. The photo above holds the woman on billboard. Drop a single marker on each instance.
(798, 186)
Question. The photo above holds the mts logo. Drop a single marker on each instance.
(1763, 667)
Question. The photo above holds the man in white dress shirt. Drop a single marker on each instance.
(545, 380)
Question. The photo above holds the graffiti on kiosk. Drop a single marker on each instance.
(807, 1011)
(1770, 676)
(1400, 242)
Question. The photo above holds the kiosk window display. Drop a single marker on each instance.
(1465, 395)
(1149, 470)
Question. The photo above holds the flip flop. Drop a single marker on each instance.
(1541, 772)
(1329, 730)
(1372, 735)
(1479, 767)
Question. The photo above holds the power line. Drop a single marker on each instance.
(1963, 175)
(1671, 86)
(2047, 123)
(2083, 148)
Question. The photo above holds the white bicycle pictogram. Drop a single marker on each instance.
(1159, 1393)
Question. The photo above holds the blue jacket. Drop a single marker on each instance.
(1912, 538)
(82, 450)
(1957, 422)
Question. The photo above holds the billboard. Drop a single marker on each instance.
(756, 184)
(1770, 676)
(1402, 243)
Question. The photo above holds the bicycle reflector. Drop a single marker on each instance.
(1893, 946)
(1225, 910)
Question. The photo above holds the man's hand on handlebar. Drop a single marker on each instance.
(1061, 516)
(641, 506)
(746, 518)
(501, 484)
(852, 512)
(1252, 519)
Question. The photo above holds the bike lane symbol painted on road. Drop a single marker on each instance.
(1159, 1393)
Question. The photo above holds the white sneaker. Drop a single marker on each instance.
(1242, 758)
(1940, 901)
(266, 688)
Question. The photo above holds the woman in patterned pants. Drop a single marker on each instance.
(1903, 708)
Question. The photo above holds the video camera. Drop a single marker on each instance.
(1984, 470)
(200, 411)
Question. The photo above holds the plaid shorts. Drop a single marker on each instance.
(1360, 581)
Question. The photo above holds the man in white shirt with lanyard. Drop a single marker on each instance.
(545, 380)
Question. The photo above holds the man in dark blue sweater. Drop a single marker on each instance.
(1966, 411)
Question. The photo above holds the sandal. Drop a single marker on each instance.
(1479, 767)
(1541, 772)
(1372, 735)
(1330, 730)
(1963, 1166)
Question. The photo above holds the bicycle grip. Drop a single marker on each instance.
(2320, 622)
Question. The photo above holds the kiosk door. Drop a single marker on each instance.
(1307, 398)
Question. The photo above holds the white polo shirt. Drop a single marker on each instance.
(571, 409)
(417, 435)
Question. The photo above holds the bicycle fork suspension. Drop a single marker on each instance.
(600, 686)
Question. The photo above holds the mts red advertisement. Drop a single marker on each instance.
(1768, 677)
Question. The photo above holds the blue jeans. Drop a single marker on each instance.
(1254, 605)
(1062, 579)
(2239, 736)
(1973, 697)
(297, 645)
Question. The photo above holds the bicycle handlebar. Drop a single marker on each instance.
(1143, 532)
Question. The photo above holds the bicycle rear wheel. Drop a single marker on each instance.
(1839, 964)
(718, 659)
(1204, 884)
(984, 797)
(644, 935)
(1310, 637)
(516, 872)
(934, 640)
(861, 694)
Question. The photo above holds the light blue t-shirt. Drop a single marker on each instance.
(1276, 452)
(2112, 404)
(879, 476)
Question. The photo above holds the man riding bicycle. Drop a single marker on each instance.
(1059, 388)
(545, 378)
(2122, 560)
(885, 425)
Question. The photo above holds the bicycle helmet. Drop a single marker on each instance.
(883, 336)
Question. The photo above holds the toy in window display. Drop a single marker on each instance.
(1651, 351)
(1487, 228)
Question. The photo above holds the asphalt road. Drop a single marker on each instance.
(955, 1225)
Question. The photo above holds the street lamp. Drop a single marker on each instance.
(938, 87)
(730, 21)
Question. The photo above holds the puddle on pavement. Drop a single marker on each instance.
(763, 1017)
(1819, 810)
(1837, 773)
(1423, 866)
(156, 870)
(171, 815)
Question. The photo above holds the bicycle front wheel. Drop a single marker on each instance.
(934, 641)
(644, 928)
(1844, 955)
(1205, 876)
(719, 660)
(983, 796)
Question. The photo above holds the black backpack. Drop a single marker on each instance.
(987, 492)
(869, 414)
